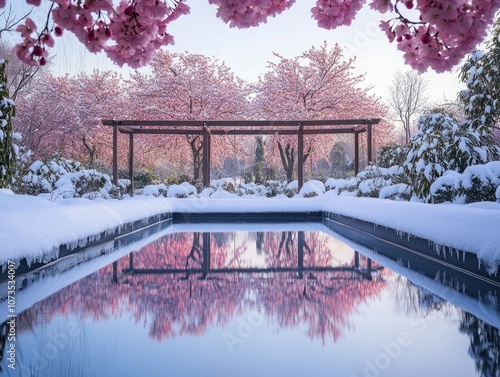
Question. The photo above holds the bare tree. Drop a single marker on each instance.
(10, 20)
(407, 97)
(20, 75)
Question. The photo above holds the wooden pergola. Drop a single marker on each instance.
(210, 128)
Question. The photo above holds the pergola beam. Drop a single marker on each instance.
(240, 123)
(219, 132)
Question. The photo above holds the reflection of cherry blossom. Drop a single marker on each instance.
(151, 286)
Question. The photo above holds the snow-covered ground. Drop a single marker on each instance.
(33, 227)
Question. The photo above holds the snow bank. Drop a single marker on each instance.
(33, 227)
(470, 228)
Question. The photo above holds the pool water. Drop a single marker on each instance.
(255, 303)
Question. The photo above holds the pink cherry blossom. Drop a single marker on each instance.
(333, 13)
(438, 36)
(246, 13)
(382, 6)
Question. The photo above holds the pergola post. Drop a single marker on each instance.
(206, 156)
(300, 254)
(206, 254)
(356, 153)
(300, 158)
(369, 143)
(115, 153)
(131, 162)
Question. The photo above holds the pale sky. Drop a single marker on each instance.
(247, 51)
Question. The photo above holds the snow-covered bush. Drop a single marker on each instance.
(177, 191)
(88, 184)
(312, 188)
(155, 190)
(371, 181)
(446, 188)
(42, 177)
(340, 185)
(375, 182)
(65, 178)
(391, 155)
(477, 183)
(291, 189)
(184, 190)
(191, 190)
(429, 153)
(274, 188)
(251, 188)
(220, 193)
(205, 193)
(398, 192)
(228, 187)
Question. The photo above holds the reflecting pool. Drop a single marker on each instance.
(288, 302)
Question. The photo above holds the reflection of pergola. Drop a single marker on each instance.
(205, 269)
(243, 127)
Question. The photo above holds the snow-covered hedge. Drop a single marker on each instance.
(63, 178)
(477, 183)
(375, 182)
(42, 177)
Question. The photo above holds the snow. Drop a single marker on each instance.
(177, 191)
(389, 191)
(150, 190)
(481, 172)
(464, 227)
(33, 227)
(312, 188)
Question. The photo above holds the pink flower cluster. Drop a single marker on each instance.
(32, 49)
(444, 34)
(333, 13)
(246, 13)
(129, 33)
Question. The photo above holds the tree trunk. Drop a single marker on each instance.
(91, 150)
(197, 160)
(287, 159)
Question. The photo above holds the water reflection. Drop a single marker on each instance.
(189, 281)
(187, 284)
(417, 302)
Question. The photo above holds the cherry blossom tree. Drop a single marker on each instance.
(318, 84)
(61, 115)
(436, 34)
(95, 96)
(43, 117)
(189, 87)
